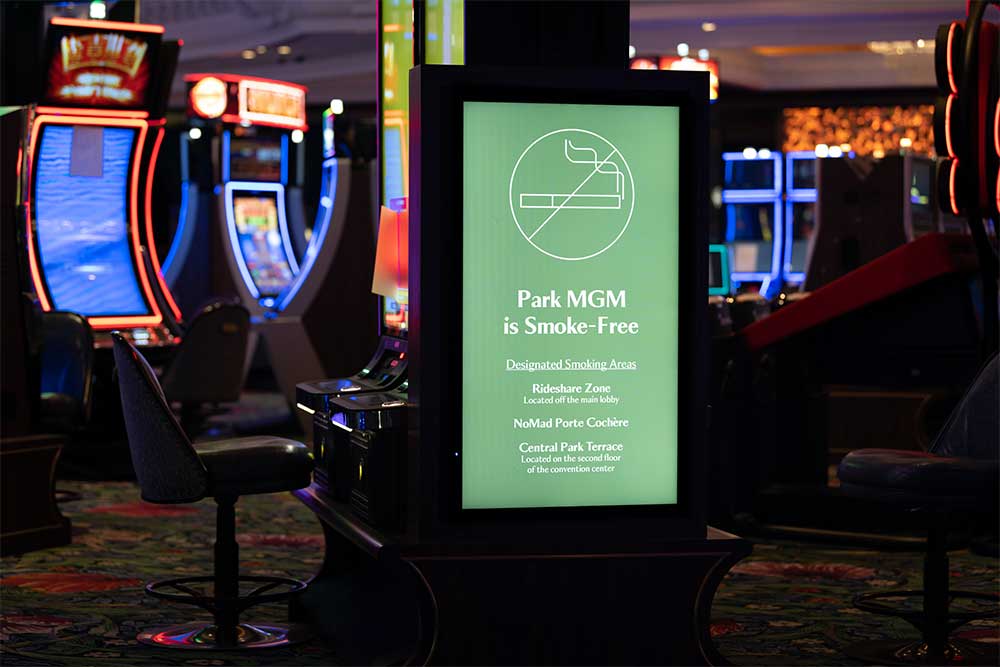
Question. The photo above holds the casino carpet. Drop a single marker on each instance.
(789, 604)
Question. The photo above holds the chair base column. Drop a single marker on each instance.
(205, 637)
(956, 652)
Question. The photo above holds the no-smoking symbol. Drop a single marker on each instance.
(572, 194)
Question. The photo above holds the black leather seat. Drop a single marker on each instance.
(959, 475)
(172, 470)
(257, 464)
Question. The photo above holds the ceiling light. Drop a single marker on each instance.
(750, 153)
(764, 153)
(905, 142)
(284, 50)
(702, 54)
(835, 151)
(683, 50)
(708, 26)
(297, 136)
(921, 43)
(261, 50)
(631, 51)
(248, 54)
(98, 10)
(845, 147)
(822, 150)
(336, 107)
(194, 133)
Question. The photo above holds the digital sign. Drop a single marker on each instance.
(93, 67)
(271, 102)
(569, 305)
(247, 100)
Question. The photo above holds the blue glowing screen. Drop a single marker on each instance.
(82, 224)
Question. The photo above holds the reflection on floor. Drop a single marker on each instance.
(83, 604)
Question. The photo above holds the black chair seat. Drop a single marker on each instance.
(258, 464)
(919, 477)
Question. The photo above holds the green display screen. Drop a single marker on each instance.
(569, 305)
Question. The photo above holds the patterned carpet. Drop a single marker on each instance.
(83, 604)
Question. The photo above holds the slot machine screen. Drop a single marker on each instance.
(753, 235)
(803, 227)
(255, 159)
(260, 242)
(94, 67)
(803, 173)
(750, 175)
(395, 316)
(82, 228)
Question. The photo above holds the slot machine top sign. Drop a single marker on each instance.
(100, 64)
(247, 100)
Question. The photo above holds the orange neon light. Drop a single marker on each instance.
(947, 125)
(236, 78)
(94, 113)
(136, 241)
(36, 276)
(235, 119)
(20, 158)
(107, 25)
(951, 69)
(404, 143)
(951, 188)
(150, 240)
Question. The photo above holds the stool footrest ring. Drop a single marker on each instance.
(190, 595)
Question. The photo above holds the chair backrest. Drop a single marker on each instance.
(216, 339)
(67, 357)
(971, 430)
(166, 465)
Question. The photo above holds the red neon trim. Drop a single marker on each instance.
(947, 125)
(110, 25)
(36, 276)
(930, 256)
(952, 195)
(236, 78)
(158, 123)
(128, 321)
(150, 239)
(951, 69)
(996, 129)
(134, 224)
(94, 113)
(237, 120)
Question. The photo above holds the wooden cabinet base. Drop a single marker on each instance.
(30, 517)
